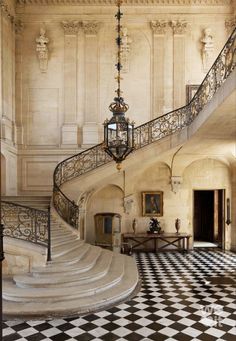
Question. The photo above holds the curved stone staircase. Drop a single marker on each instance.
(81, 278)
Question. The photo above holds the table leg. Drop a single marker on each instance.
(187, 244)
(179, 244)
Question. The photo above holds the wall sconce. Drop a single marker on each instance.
(228, 221)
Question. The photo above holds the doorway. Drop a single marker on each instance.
(208, 219)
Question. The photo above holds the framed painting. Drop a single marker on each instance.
(152, 204)
(190, 91)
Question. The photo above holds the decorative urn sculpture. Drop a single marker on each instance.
(177, 225)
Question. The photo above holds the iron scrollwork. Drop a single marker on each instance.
(24, 223)
(146, 133)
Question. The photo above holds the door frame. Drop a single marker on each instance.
(223, 213)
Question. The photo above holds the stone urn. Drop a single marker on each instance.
(177, 225)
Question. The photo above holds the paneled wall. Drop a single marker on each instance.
(58, 109)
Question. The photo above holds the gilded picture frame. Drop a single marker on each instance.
(191, 91)
(152, 204)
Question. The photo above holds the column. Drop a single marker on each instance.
(159, 29)
(179, 94)
(69, 128)
(91, 126)
(18, 82)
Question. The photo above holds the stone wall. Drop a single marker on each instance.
(65, 74)
(202, 174)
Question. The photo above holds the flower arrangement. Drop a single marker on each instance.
(154, 226)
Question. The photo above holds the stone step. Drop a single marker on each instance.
(57, 240)
(61, 250)
(13, 293)
(77, 306)
(61, 233)
(99, 270)
(85, 263)
(72, 256)
(62, 242)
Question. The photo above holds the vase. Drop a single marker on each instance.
(177, 225)
(134, 225)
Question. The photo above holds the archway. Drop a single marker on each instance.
(107, 199)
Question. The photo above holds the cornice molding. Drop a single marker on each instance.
(127, 2)
(6, 12)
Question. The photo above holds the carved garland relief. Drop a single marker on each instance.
(42, 50)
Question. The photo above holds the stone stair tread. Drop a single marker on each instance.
(82, 305)
(60, 233)
(116, 272)
(65, 243)
(99, 270)
(63, 250)
(72, 255)
(83, 264)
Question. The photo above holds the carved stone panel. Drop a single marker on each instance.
(207, 49)
(159, 26)
(91, 27)
(42, 50)
(71, 27)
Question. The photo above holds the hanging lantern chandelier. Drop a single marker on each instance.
(118, 131)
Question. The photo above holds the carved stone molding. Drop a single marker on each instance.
(159, 26)
(6, 12)
(91, 27)
(42, 50)
(129, 204)
(71, 27)
(176, 183)
(207, 49)
(19, 26)
(127, 2)
(179, 26)
(230, 24)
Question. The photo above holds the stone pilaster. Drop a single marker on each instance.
(179, 29)
(91, 127)
(69, 128)
(159, 30)
(19, 28)
(232, 226)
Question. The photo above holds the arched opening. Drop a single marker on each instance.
(3, 175)
(108, 199)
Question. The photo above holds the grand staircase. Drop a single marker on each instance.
(81, 278)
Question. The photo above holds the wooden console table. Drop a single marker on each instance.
(179, 240)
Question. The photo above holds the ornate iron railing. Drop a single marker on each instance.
(144, 134)
(26, 223)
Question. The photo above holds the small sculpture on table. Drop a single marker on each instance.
(134, 225)
(177, 225)
(154, 226)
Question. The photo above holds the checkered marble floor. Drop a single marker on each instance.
(175, 303)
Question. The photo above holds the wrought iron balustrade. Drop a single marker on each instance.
(26, 223)
(146, 133)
